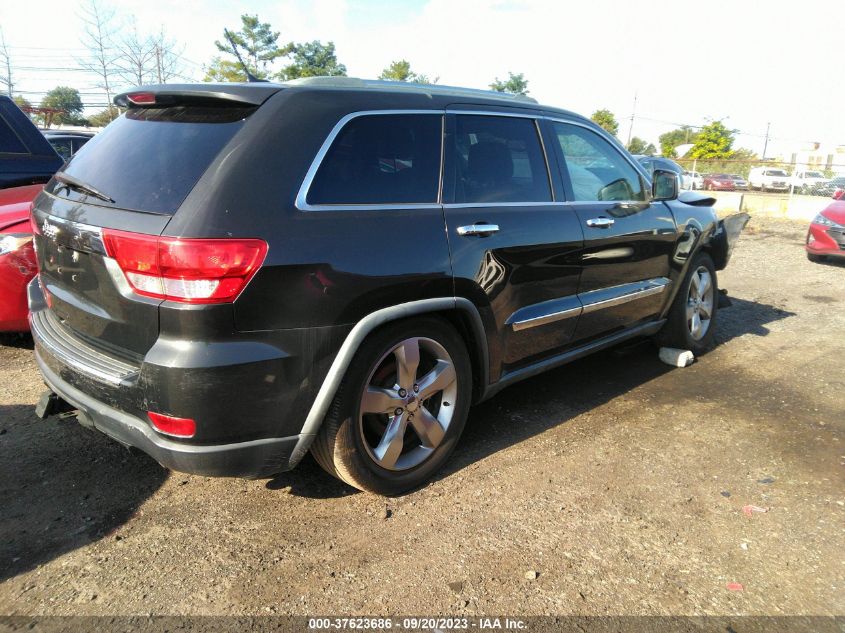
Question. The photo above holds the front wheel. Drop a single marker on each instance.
(400, 409)
(692, 317)
(816, 259)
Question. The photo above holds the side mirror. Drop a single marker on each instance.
(664, 185)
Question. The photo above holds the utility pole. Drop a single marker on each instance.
(158, 63)
(766, 143)
(631, 126)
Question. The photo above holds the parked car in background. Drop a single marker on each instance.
(355, 307)
(67, 143)
(740, 183)
(833, 187)
(808, 182)
(27, 161)
(650, 163)
(718, 182)
(826, 235)
(768, 179)
(695, 179)
(25, 155)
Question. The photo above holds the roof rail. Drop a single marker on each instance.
(430, 89)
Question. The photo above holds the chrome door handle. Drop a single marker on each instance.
(478, 229)
(600, 223)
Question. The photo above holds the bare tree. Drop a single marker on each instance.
(136, 58)
(6, 61)
(97, 37)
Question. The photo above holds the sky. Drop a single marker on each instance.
(745, 62)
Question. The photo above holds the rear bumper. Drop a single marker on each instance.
(247, 425)
(255, 458)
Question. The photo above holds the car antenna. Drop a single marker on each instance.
(249, 76)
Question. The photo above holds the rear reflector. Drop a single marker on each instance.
(185, 270)
(169, 425)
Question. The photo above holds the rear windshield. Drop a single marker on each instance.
(150, 158)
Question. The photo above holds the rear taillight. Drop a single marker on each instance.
(142, 98)
(170, 425)
(185, 270)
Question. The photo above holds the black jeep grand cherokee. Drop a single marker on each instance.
(231, 275)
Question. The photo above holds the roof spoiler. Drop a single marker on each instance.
(247, 93)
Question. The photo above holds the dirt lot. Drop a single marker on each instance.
(618, 480)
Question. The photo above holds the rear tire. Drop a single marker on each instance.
(692, 318)
(387, 437)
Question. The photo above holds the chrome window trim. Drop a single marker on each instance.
(487, 205)
(638, 169)
(516, 115)
(302, 195)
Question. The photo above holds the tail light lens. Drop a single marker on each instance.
(185, 270)
(170, 425)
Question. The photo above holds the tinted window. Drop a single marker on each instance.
(382, 159)
(498, 159)
(150, 158)
(596, 169)
(9, 141)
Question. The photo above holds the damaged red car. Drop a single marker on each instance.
(17, 260)
(826, 235)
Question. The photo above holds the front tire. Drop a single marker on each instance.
(400, 409)
(816, 259)
(692, 318)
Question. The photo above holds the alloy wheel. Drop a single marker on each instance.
(408, 403)
(700, 303)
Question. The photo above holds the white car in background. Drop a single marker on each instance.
(695, 179)
(808, 181)
(768, 179)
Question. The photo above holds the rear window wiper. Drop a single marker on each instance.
(74, 183)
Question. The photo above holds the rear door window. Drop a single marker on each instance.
(596, 170)
(381, 159)
(498, 159)
(149, 159)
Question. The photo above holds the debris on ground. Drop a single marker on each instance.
(457, 586)
(735, 586)
(531, 575)
(676, 357)
(725, 494)
(767, 480)
(749, 510)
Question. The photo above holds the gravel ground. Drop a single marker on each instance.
(615, 485)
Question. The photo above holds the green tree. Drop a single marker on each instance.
(398, 71)
(313, 59)
(713, 141)
(605, 119)
(401, 71)
(22, 102)
(68, 101)
(256, 43)
(670, 140)
(515, 84)
(639, 146)
(104, 117)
